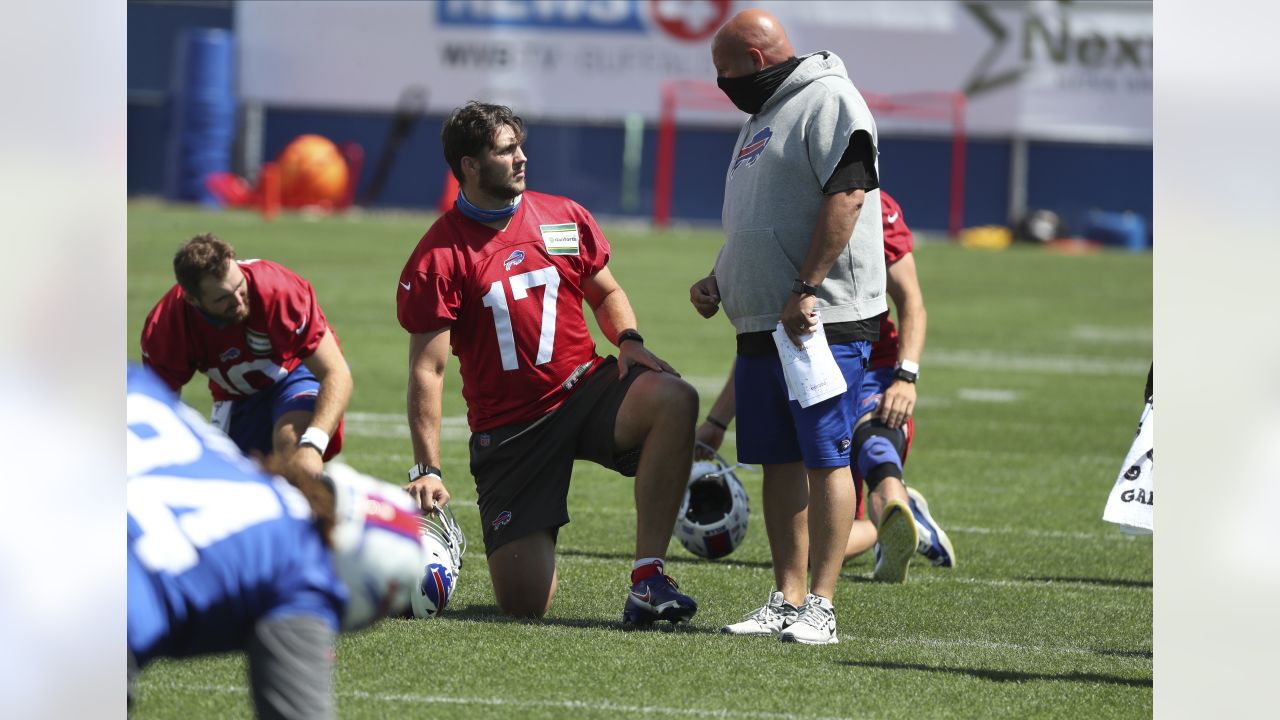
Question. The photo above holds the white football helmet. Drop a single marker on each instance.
(445, 546)
(713, 517)
(378, 550)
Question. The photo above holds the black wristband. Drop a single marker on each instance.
(421, 470)
(800, 287)
(626, 335)
(716, 423)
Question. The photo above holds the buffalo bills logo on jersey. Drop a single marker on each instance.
(503, 518)
(752, 150)
(229, 354)
(515, 258)
(873, 400)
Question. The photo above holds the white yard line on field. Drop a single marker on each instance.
(567, 557)
(1106, 536)
(366, 424)
(1050, 534)
(1045, 364)
(1111, 334)
(987, 395)
(642, 710)
(974, 645)
(399, 419)
(579, 705)
(1063, 584)
(453, 427)
(1057, 457)
(708, 386)
(395, 425)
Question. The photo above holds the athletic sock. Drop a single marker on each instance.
(645, 568)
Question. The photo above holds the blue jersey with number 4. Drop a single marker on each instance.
(214, 543)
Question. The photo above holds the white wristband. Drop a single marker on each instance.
(316, 438)
(910, 366)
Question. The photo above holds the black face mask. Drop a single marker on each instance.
(750, 92)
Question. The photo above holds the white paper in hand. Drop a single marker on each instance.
(811, 372)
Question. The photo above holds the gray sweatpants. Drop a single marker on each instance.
(291, 668)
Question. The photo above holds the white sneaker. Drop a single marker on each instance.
(816, 624)
(898, 540)
(768, 620)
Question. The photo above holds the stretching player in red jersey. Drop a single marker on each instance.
(885, 403)
(279, 380)
(501, 279)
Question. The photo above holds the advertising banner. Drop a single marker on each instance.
(1047, 69)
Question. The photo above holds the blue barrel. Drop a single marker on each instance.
(202, 112)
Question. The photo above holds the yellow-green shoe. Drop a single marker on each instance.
(896, 542)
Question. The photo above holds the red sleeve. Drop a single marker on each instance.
(297, 324)
(594, 246)
(898, 240)
(429, 294)
(164, 341)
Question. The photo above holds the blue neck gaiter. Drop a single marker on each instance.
(486, 216)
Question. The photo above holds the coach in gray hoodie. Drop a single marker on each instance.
(803, 245)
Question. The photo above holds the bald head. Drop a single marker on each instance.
(751, 41)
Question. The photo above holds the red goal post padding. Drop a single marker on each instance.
(688, 95)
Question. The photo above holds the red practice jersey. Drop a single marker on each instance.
(285, 325)
(513, 302)
(897, 243)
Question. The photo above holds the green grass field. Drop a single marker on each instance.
(1029, 395)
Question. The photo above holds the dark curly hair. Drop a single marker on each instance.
(200, 257)
(469, 131)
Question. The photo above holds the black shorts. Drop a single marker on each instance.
(522, 470)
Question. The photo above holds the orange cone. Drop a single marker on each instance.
(269, 184)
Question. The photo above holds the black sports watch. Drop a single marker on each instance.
(626, 335)
(800, 287)
(422, 469)
(907, 371)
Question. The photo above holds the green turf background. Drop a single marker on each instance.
(1029, 395)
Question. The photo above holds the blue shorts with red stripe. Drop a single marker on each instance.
(774, 430)
(253, 419)
(874, 382)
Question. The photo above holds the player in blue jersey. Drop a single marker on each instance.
(223, 556)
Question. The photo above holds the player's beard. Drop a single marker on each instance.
(501, 183)
(232, 318)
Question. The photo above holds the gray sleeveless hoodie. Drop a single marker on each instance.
(773, 191)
